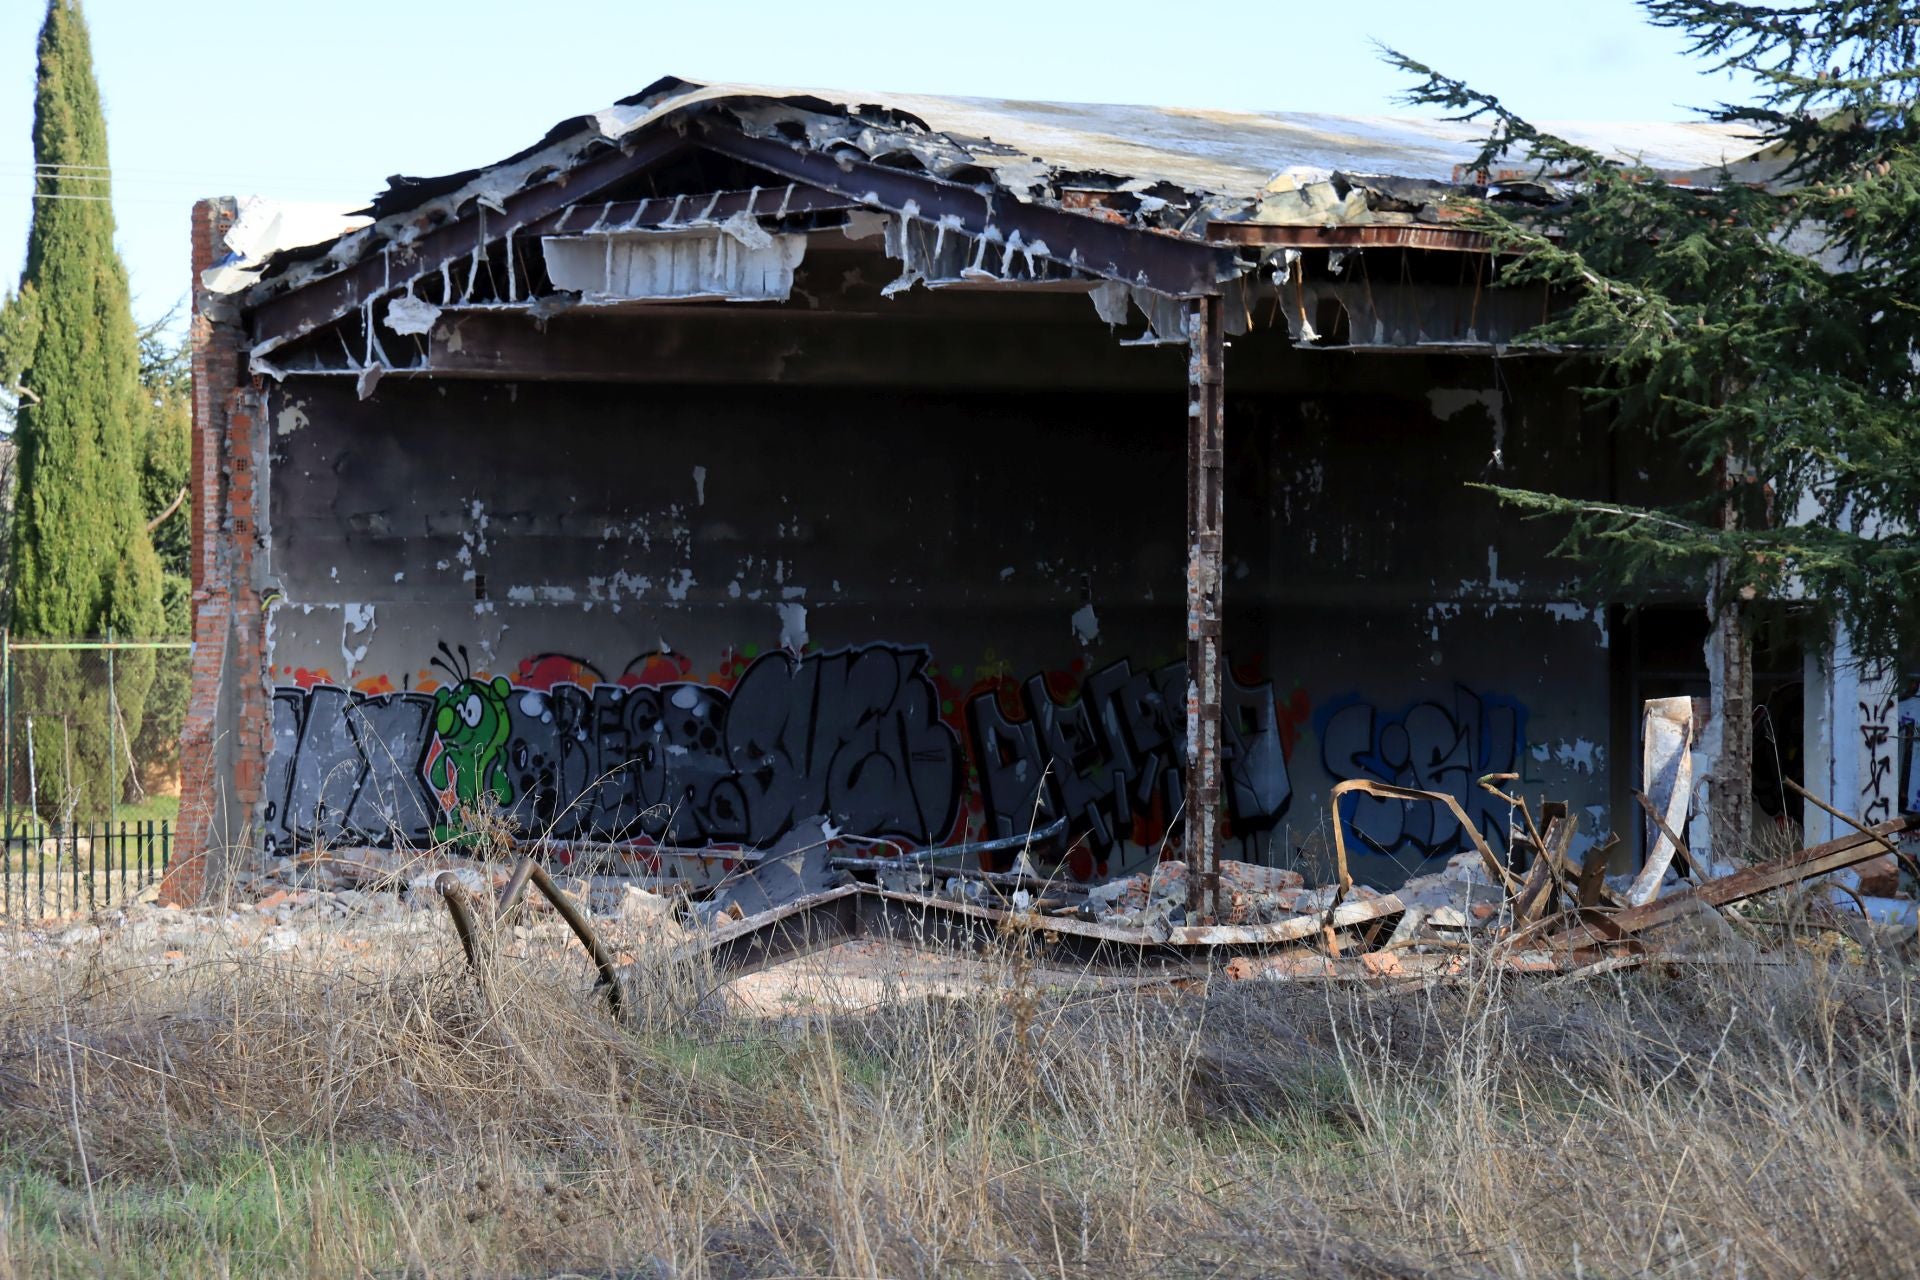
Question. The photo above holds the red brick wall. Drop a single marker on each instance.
(228, 639)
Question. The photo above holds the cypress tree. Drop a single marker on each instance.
(81, 558)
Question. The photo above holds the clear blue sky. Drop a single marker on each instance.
(323, 101)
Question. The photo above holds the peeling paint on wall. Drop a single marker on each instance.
(1086, 624)
(356, 622)
(793, 625)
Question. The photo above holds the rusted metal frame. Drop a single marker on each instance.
(1387, 791)
(1161, 261)
(789, 932)
(1556, 846)
(1902, 858)
(1905, 859)
(460, 907)
(1002, 879)
(863, 910)
(1533, 889)
(1593, 872)
(827, 919)
(923, 859)
(301, 310)
(1490, 785)
(516, 887)
(1817, 860)
(1369, 236)
(1206, 492)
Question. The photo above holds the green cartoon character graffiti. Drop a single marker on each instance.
(470, 719)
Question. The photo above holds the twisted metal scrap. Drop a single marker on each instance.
(460, 907)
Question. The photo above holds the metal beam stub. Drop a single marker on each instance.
(1206, 412)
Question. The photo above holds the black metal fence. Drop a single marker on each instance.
(90, 729)
(48, 874)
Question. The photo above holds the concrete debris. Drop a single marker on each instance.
(1539, 910)
(1539, 907)
(337, 907)
(1536, 909)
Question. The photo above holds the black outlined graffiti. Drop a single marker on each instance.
(853, 738)
(855, 734)
(1102, 758)
(1877, 758)
(1429, 745)
(348, 767)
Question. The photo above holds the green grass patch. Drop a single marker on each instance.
(236, 1212)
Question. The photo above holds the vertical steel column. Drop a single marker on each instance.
(1206, 378)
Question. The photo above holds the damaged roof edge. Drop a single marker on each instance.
(1184, 176)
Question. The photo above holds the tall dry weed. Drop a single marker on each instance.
(381, 1112)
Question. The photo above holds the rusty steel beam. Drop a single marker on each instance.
(1157, 260)
(1206, 465)
(1760, 877)
(301, 310)
(1367, 236)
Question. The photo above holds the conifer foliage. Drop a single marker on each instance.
(81, 559)
(1764, 325)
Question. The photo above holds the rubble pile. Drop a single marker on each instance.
(1250, 894)
(1537, 906)
(350, 903)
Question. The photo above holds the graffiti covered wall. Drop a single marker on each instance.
(854, 737)
(874, 742)
(865, 739)
(460, 577)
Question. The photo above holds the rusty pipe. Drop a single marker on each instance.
(516, 886)
(602, 958)
(458, 906)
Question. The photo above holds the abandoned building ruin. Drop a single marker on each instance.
(741, 468)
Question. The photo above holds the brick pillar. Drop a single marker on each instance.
(224, 742)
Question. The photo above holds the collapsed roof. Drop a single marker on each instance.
(1197, 183)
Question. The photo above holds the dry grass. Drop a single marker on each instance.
(383, 1114)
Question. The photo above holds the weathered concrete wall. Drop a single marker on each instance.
(1425, 630)
(718, 616)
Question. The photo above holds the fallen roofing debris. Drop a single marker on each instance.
(1542, 912)
(1539, 911)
